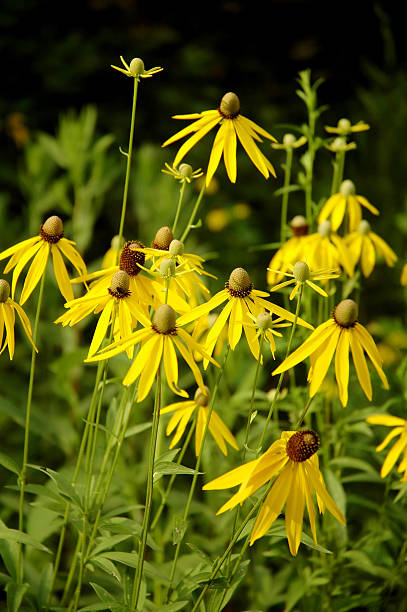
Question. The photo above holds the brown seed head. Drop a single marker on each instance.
(119, 286)
(164, 320)
(299, 225)
(229, 105)
(163, 238)
(130, 257)
(239, 284)
(302, 445)
(52, 229)
(346, 313)
(4, 290)
(202, 396)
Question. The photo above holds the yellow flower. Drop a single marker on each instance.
(362, 246)
(400, 447)
(293, 457)
(290, 142)
(183, 411)
(8, 308)
(346, 199)
(344, 127)
(242, 299)
(233, 125)
(291, 251)
(301, 275)
(159, 339)
(50, 240)
(201, 330)
(403, 278)
(217, 219)
(183, 174)
(114, 304)
(136, 69)
(341, 332)
(265, 324)
(325, 249)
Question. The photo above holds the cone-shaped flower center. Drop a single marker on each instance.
(119, 287)
(364, 227)
(164, 320)
(344, 126)
(136, 66)
(301, 271)
(52, 229)
(239, 284)
(264, 320)
(324, 228)
(302, 445)
(4, 290)
(346, 313)
(167, 267)
(299, 225)
(163, 238)
(201, 396)
(347, 188)
(130, 257)
(229, 105)
(185, 170)
(176, 247)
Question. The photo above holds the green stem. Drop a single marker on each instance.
(128, 166)
(171, 481)
(337, 176)
(149, 495)
(304, 412)
(225, 555)
(181, 197)
(197, 466)
(249, 417)
(190, 223)
(280, 380)
(23, 473)
(72, 569)
(284, 204)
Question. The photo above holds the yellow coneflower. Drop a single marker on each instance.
(291, 251)
(293, 457)
(8, 308)
(325, 249)
(159, 339)
(345, 200)
(50, 240)
(116, 300)
(340, 333)
(183, 411)
(242, 299)
(136, 69)
(399, 448)
(233, 126)
(302, 275)
(362, 246)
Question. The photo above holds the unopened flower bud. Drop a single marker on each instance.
(324, 228)
(167, 267)
(136, 66)
(289, 140)
(364, 227)
(344, 126)
(339, 144)
(185, 170)
(264, 320)
(347, 188)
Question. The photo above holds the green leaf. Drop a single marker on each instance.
(288, 189)
(9, 463)
(108, 542)
(44, 586)
(9, 553)
(179, 529)
(136, 429)
(13, 535)
(107, 566)
(64, 487)
(167, 467)
(15, 594)
(131, 559)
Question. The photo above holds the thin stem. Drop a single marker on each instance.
(23, 473)
(280, 380)
(337, 176)
(181, 197)
(249, 417)
(171, 481)
(284, 203)
(225, 555)
(197, 466)
(128, 166)
(149, 495)
(304, 412)
(190, 223)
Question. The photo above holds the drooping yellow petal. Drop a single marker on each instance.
(360, 365)
(280, 312)
(338, 212)
(181, 419)
(125, 322)
(392, 456)
(171, 367)
(308, 489)
(386, 419)
(101, 327)
(22, 246)
(203, 309)
(368, 344)
(368, 256)
(392, 434)
(149, 369)
(232, 478)
(191, 142)
(219, 430)
(294, 510)
(61, 274)
(384, 249)
(321, 364)
(176, 406)
(216, 153)
(342, 365)
(35, 272)
(316, 288)
(23, 259)
(188, 357)
(235, 323)
(118, 347)
(364, 202)
(229, 150)
(217, 327)
(9, 320)
(329, 206)
(193, 127)
(68, 249)
(315, 478)
(249, 145)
